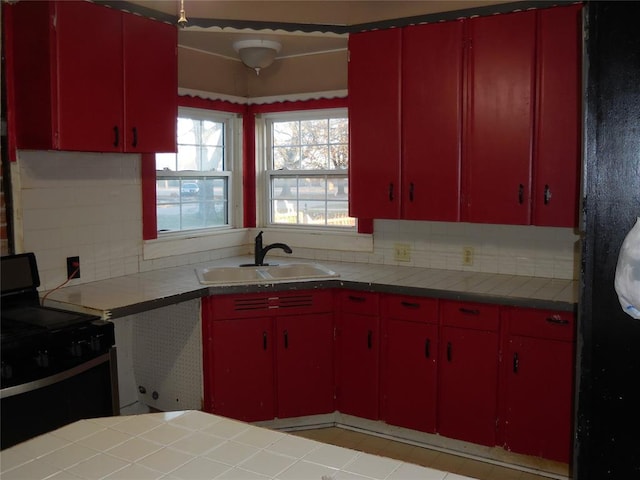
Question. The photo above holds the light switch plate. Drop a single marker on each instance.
(402, 252)
(467, 255)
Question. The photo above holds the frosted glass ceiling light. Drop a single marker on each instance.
(257, 54)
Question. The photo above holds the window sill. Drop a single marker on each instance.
(194, 242)
(350, 241)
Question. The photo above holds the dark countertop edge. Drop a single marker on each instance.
(205, 291)
(501, 300)
(145, 306)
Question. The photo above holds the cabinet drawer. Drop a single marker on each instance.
(415, 309)
(363, 303)
(284, 303)
(479, 316)
(547, 324)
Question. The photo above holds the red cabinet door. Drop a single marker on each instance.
(151, 85)
(468, 385)
(557, 146)
(374, 124)
(240, 375)
(304, 364)
(539, 397)
(468, 372)
(499, 119)
(88, 79)
(358, 363)
(538, 371)
(432, 63)
(409, 396)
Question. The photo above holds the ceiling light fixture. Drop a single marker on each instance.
(182, 21)
(257, 54)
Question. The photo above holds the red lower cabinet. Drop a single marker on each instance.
(357, 344)
(240, 373)
(304, 364)
(268, 355)
(409, 362)
(468, 373)
(538, 375)
(476, 372)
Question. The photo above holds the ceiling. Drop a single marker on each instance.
(214, 25)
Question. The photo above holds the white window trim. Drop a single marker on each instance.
(264, 173)
(233, 235)
(321, 238)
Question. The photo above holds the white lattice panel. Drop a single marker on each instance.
(167, 356)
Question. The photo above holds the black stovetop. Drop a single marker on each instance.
(21, 312)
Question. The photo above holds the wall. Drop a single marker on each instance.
(90, 205)
(79, 204)
(607, 444)
(87, 205)
(210, 73)
(505, 249)
(312, 73)
(4, 238)
(322, 72)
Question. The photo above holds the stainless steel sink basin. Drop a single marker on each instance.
(263, 274)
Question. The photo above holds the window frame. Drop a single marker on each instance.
(232, 170)
(265, 162)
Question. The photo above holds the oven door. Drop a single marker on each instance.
(87, 390)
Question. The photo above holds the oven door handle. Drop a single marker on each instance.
(57, 378)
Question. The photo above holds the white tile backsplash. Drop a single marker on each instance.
(89, 204)
(509, 249)
(80, 204)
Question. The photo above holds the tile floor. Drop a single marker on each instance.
(413, 454)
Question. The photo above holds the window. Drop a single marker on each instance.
(307, 173)
(193, 186)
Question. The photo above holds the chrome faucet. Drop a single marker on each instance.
(260, 251)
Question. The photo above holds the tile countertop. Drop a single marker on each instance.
(130, 294)
(189, 445)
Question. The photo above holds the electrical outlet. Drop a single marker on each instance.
(73, 267)
(467, 255)
(402, 252)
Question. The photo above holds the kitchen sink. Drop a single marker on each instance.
(263, 274)
(300, 270)
(229, 275)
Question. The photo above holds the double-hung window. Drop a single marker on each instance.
(307, 169)
(193, 187)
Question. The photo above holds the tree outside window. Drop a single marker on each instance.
(308, 178)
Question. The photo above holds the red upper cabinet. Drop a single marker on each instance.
(87, 74)
(91, 78)
(374, 123)
(151, 85)
(405, 122)
(475, 120)
(432, 64)
(499, 120)
(557, 136)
